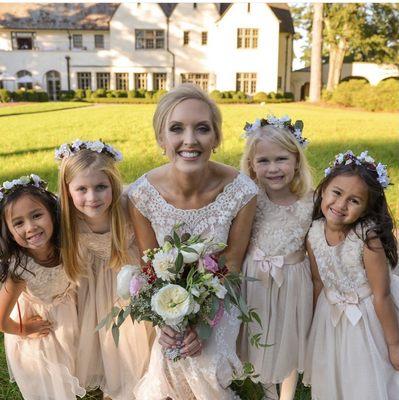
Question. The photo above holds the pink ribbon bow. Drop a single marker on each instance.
(347, 303)
(270, 265)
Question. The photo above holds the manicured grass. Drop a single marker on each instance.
(28, 140)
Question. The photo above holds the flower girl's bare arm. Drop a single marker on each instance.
(377, 271)
(239, 235)
(316, 279)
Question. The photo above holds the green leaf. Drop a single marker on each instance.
(222, 261)
(176, 239)
(115, 334)
(214, 307)
(115, 311)
(179, 262)
(189, 250)
(204, 330)
(256, 317)
(127, 311)
(227, 303)
(121, 318)
(102, 323)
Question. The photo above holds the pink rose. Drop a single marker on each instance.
(211, 264)
(137, 282)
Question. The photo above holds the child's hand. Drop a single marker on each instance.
(35, 327)
(394, 355)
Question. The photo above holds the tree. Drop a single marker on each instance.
(317, 45)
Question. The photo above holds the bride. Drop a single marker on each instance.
(210, 199)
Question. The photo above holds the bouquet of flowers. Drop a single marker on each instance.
(180, 285)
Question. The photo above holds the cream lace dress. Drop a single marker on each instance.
(44, 368)
(283, 294)
(348, 356)
(100, 363)
(207, 376)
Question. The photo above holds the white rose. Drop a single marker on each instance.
(327, 171)
(162, 262)
(123, 280)
(172, 303)
(1, 196)
(36, 179)
(76, 144)
(189, 258)
(219, 289)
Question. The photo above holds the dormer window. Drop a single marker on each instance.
(23, 40)
(77, 41)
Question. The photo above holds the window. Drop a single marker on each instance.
(122, 81)
(200, 80)
(204, 38)
(247, 38)
(24, 80)
(1, 84)
(23, 40)
(279, 82)
(140, 80)
(248, 7)
(99, 41)
(77, 41)
(150, 39)
(186, 38)
(246, 82)
(195, 5)
(84, 80)
(159, 81)
(103, 79)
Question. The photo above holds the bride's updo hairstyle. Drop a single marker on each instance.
(186, 91)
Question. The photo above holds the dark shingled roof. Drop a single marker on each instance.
(84, 16)
(280, 10)
(94, 16)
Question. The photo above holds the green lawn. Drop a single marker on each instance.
(30, 133)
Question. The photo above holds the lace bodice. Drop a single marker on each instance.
(341, 267)
(281, 230)
(212, 221)
(44, 283)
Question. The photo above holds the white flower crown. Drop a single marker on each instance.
(69, 149)
(363, 159)
(32, 179)
(283, 122)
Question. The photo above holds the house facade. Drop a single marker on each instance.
(62, 46)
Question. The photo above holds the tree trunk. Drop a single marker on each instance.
(337, 54)
(317, 43)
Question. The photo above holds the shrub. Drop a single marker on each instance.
(132, 94)
(42, 96)
(387, 93)
(89, 93)
(227, 94)
(239, 96)
(346, 92)
(119, 93)
(260, 97)
(216, 95)
(158, 94)
(67, 95)
(109, 94)
(99, 93)
(271, 95)
(288, 95)
(326, 95)
(141, 93)
(5, 96)
(79, 94)
(148, 94)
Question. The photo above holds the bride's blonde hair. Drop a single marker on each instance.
(87, 159)
(302, 183)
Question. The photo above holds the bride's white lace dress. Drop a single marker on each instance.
(207, 376)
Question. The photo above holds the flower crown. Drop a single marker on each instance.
(363, 159)
(283, 122)
(69, 149)
(32, 179)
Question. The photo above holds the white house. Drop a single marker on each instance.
(224, 46)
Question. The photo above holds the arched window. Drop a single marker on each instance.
(24, 79)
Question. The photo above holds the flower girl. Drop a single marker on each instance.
(41, 330)
(354, 339)
(96, 243)
(274, 158)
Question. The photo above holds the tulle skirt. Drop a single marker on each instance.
(115, 369)
(286, 314)
(348, 362)
(44, 368)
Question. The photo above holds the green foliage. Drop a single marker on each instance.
(67, 95)
(260, 97)
(89, 93)
(359, 93)
(99, 93)
(80, 94)
(216, 95)
(148, 94)
(5, 96)
(159, 94)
